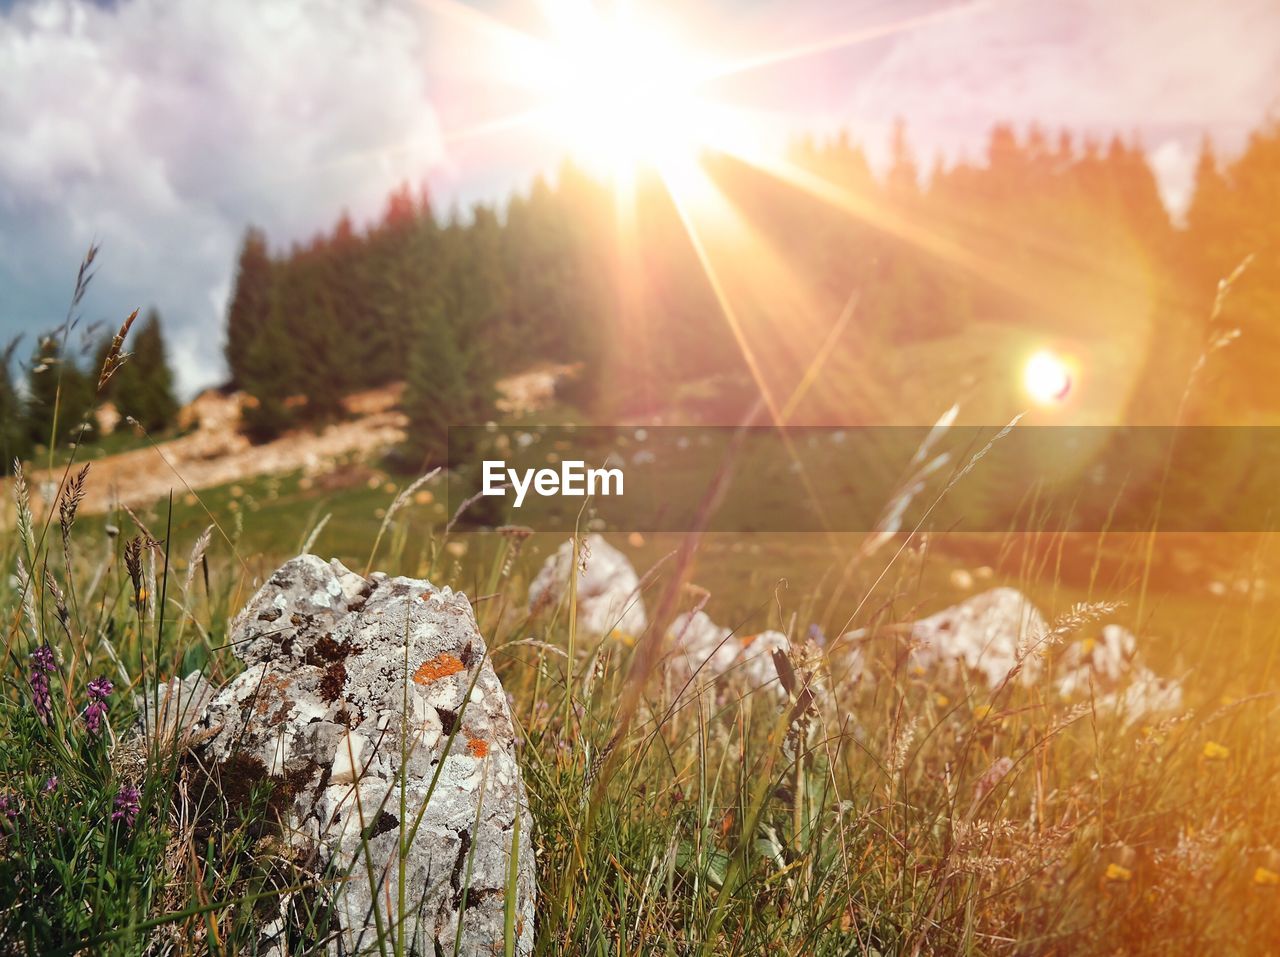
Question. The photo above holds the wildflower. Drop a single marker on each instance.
(982, 712)
(941, 700)
(8, 807)
(41, 667)
(1118, 873)
(51, 785)
(1266, 877)
(126, 805)
(1215, 752)
(99, 689)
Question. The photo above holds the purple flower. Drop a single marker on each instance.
(42, 665)
(8, 807)
(99, 688)
(93, 715)
(126, 805)
(51, 785)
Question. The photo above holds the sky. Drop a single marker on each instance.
(160, 129)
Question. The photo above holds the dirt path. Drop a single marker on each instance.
(215, 453)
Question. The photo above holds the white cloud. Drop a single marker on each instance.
(160, 128)
(1163, 69)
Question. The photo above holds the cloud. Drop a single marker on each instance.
(160, 128)
(1167, 70)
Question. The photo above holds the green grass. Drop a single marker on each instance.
(721, 823)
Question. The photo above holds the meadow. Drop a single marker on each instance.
(902, 813)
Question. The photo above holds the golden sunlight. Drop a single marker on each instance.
(623, 91)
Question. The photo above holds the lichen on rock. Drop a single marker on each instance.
(371, 708)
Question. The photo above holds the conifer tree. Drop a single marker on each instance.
(142, 388)
(59, 397)
(250, 306)
(451, 377)
(14, 442)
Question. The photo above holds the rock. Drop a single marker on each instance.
(353, 686)
(703, 651)
(169, 722)
(1097, 662)
(982, 634)
(609, 600)
(1109, 668)
(178, 708)
(1145, 695)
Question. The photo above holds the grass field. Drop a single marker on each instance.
(887, 821)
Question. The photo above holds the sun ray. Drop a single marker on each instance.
(693, 193)
(847, 39)
(496, 126)
(679, 182)
(878, 213)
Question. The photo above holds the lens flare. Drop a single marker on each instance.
(1047, 378)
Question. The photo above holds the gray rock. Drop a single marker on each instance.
(609, 600)
(372, 707)
(171, 716)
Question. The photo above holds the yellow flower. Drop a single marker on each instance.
(941, 700)
(982, 712)
(1119, 873)
(1215, 752)
(1266, 877)
(626, 638)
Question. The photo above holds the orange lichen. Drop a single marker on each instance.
(433, 669)
(478, 747)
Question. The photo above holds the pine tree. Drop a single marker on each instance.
(14, 442)
(250, 306)
(59, 397)
(143, 386)
(451, 377)
(273, 366)
(902, 182)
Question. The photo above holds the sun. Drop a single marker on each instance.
(1047, 378)
(624, 92)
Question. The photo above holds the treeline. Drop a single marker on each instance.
(842, 296)
(53, 397)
